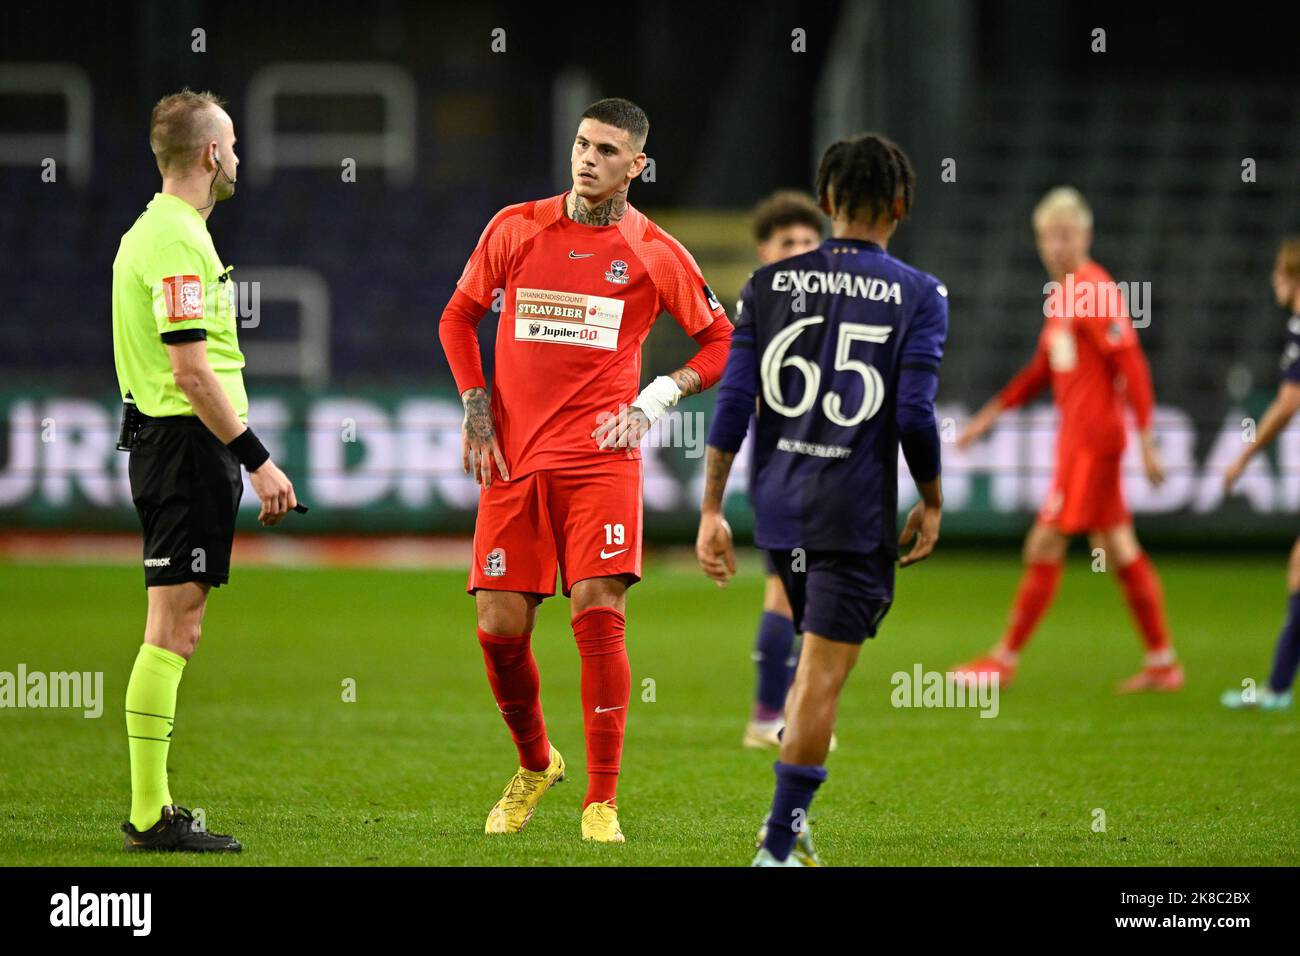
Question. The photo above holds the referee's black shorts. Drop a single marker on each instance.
(186, 486)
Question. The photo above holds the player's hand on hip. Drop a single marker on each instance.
(275, 492)
(922, 529)
(622, 430)
(714, 549)
(478, 440)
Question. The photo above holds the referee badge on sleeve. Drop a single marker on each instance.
(183, 298)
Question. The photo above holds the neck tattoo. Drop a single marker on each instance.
(601, 214)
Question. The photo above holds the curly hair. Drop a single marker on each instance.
(864, 175)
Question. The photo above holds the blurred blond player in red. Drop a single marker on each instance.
(1089, 353)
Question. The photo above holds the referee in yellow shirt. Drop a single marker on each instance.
(180, 372)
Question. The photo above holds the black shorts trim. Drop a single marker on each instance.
(159, 581)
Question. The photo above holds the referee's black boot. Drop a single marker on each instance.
(176, 832)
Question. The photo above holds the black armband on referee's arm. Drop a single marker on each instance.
(252, 454)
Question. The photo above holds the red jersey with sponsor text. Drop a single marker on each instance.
(578, 303)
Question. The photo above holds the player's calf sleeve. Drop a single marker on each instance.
(517, 687)
(772, 652)
(1147, 603)
(796, 785)
(606, 691)
(1287, 656)
(1037, 589)
(150, 714)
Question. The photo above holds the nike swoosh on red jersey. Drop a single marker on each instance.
(612, 554)
(580, 255)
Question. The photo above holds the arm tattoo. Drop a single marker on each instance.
(601, 214)
(688, 380)
(717, 467)
(478, 415)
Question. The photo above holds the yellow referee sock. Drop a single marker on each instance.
(150, 713)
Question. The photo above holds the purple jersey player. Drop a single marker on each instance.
(841, 348)
(1276, 694)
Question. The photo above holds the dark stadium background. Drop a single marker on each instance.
(1153, 131)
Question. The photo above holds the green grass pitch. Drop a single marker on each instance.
(405, 775)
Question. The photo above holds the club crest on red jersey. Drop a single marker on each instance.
(617, 272)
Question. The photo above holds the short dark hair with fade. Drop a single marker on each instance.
(786, 207)
(622, 113)
(180, 125)
(865, 174)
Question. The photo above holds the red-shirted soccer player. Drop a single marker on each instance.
(581, 278)
(1089, 354)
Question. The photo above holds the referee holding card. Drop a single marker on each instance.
(180, 372)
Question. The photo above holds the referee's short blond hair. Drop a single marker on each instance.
(181, 125)
(1063, 200)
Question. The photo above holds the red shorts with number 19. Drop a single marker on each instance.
(586, 521)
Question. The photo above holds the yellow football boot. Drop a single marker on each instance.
(600, 823)
(520, 797)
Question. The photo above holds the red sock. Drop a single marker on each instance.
(1142, 591)
(1037, 588)
(606, 691)
(512, 672)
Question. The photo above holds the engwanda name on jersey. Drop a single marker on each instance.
(578, 303)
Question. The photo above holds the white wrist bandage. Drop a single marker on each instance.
(657, 397)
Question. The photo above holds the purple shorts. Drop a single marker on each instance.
(839, 595)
